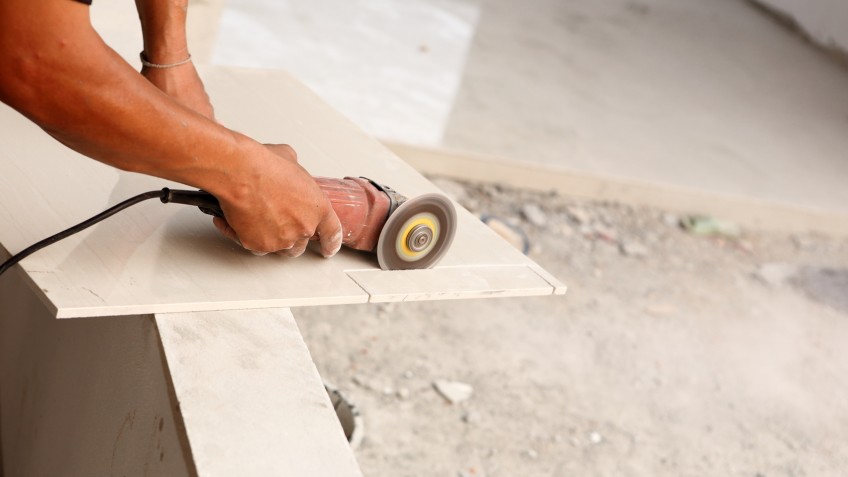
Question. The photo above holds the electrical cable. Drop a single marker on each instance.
(156, 194)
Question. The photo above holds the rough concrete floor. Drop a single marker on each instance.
(688, 355)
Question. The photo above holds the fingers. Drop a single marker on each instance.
(282, 209)
(225, 229)
(330, 233)
(295, 250)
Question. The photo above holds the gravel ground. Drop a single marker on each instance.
(673, 353)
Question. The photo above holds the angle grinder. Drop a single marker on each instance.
(404, 233)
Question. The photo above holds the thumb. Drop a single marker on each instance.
(330, 234)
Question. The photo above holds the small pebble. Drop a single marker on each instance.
(671, 220)
(595, 438)
(604, 233)
(454, 391)
(578, 214)
(514, 235)
(775, 274)
(633, 249)
(534, 215)
(471, 417)
(451, 188)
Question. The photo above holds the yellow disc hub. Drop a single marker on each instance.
(417, 237)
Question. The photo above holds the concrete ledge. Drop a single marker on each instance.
(746, 211)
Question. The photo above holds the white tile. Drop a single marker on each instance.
(156, 259)
(446, 283)
(251, 398)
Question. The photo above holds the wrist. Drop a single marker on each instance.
(162, 55)
(163, 27)
(238, 175)
(145, 61)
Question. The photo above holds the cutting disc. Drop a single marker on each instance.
(417, 234)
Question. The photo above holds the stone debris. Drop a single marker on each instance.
(603, 232)
(631, 248)
(531, 453)
(534, 215)
(705, 225)
(454, 391)
(512, 234)
(451, 188)
(595, 437)
(775, 274)
(471, 417)
(745, 246)
(473, 471)
(579, 215)
(385, 310)
(403, 393)
(672, 220)
(364, 382)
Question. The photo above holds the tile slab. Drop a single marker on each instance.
(164, 259)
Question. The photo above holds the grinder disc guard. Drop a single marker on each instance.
(417, 234)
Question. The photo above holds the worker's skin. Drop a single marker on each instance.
(56, 70)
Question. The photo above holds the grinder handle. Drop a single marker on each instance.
(205, 201)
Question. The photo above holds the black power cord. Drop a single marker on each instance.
(204, 200)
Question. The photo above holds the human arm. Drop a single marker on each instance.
(163, 25)
(60, 74)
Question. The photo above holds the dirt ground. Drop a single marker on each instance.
(673, 353)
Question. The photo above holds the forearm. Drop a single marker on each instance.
(76, 88)
(58, 72)
(163, 26)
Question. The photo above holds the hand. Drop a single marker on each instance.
(184, 85)
(281, 210)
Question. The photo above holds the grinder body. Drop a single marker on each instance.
(362, 207)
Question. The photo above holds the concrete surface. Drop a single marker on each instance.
(710, 96)
(672, 355)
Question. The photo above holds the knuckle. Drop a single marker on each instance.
(290, 151)
(261, 246)
(303, 232)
